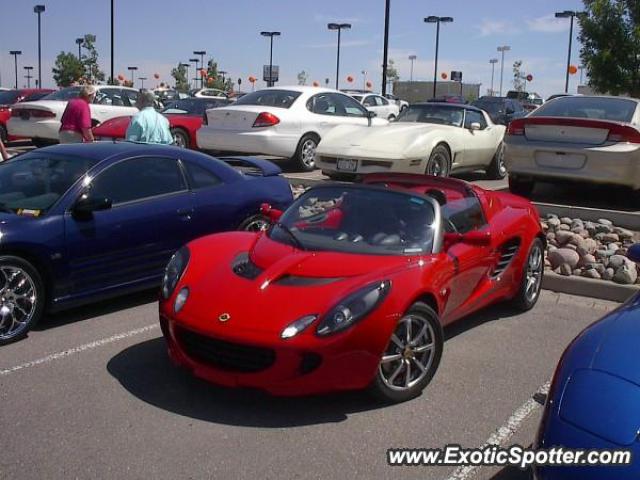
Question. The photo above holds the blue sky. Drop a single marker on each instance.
(156, 35)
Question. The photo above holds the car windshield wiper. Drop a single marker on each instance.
(291, 235)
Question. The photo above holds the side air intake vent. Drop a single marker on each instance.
(508, 250)
(245, 268)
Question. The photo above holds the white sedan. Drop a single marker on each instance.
(284, 122)
(381, 106)
(428, 138)
(40, 120)
(577, 138)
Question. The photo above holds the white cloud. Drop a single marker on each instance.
(548, 24)
(496, 27)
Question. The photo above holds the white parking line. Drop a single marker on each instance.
(505, 432)
(81, 348)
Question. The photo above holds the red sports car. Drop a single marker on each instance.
(185, 117)
(350, 287)
(9, 97)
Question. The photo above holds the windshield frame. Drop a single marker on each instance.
(291, 213)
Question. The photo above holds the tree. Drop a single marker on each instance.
(67, 69)
(214, 80)
(392, 72)
(180, 75)
(610, 37)
(303, 77)
(518, 76)
(90, 59)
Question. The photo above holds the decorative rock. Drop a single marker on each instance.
(563, 236)
(588, 245)
(565, 269)
(577, 272)
(591, 273)
(621, 251)
(600, 268)
(613, 246)
(610, 238)
(571, 246)
(551, 236)
(617, 261)
(564, 256)
(551, 248)
(586, 260)
(553, 222)
(600, 228)
(604, 221)
(604, 254)
(563, 226)
(608, 274)
(623, 233)
(547, 264)
(566, 220)
(626, 275)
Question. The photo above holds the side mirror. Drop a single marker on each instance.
(475, 126)
(634, 253)
(271, 213)
(370, 116)
(87, 204)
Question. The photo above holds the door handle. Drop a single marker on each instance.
(185, 212)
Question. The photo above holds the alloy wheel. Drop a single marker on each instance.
(533, 274)
(308, 150)
(18, 301)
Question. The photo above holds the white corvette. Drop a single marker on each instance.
(428, 138)
(40, 120)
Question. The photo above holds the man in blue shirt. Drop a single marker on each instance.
(148, 126)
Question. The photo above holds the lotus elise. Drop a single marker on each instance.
(350, 287)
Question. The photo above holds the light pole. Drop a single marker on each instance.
(142, 79)
(502, 49)
(15, 54)
(112, 48)
(493, 62)
(270, 35)
(223, 74)
(28, 76)
(437, 21)
(346, 26)
(385, 48)
(38, 9)
(132, 70)
(195, 76)
(412, 58)
(79, 43)
(364, 79)
(202, 53)
(568, 14)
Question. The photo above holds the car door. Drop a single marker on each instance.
(131, 242)
(477, 143)
(385, 107)
(331, 109)
(110, 103)
(472, 263)
(371, 104)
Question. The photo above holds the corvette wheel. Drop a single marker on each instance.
(305, 156)
(255, 223)
(3, 134)
(531, 282)
(411, 357)
(497, 170)
(180, 138)
(21, 298)
(439, 162)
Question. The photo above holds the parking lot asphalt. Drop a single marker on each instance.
(91, 394)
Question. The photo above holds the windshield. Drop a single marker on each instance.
(433, 114)
(357, 97)
(599, 108)
(8, 97)
(491, 106)
(192, 106)
(270, 98)
(30, 184)
(361, 220)
(64, 94)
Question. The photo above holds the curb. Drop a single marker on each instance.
(307, 182)
(588, 287)
(629, 220)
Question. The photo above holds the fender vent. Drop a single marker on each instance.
(508, 250)
(245, 268)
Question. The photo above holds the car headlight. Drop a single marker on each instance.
(299, 325)
(353, 308)
(175, 268)
(181, 299)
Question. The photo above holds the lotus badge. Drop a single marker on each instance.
(225, 317)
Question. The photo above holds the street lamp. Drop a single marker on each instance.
(270, 35)
(15, 54)
(222, 73)
(202, 53)
(142, 79)
(568, 14)
(493, 62)
(195, 76)
(437, 21)
(412, 58)
(339, 27)
(79, 42)
(132, 70)
(38, 9)
(364, 79)
(385, 48)
(28, 76)
(502, 49)
(112, 49)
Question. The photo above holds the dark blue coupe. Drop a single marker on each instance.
(594, 401)
(89, 221)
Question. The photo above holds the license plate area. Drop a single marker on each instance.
(346, 165)
(560, 160)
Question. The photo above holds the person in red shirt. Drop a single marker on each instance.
(76, 120)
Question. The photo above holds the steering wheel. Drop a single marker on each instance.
(451, 227)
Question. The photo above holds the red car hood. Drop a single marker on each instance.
(287, 285)
(114, 127)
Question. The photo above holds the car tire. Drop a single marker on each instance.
(3, 134)
(439, 163)
(306, 152)
(532, 274)
(497, 170)
(22, 298)
(341, 177)
(391, 118)
(255, 223)
(180, 138)
(41, 142)
(521, 187)
(399, 358)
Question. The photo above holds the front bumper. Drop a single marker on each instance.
(279, 367)
(329, 163)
